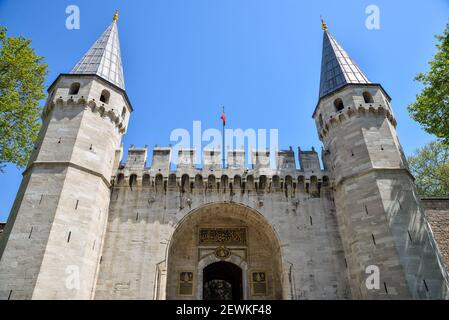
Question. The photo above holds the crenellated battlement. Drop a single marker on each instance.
(187, 177)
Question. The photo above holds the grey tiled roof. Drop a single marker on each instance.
(104, 58)
(337, 68)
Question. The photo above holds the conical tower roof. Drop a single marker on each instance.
(104, 58)
(337, 67)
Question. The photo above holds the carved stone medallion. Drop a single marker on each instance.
(222, 253)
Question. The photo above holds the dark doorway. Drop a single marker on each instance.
(222, 281)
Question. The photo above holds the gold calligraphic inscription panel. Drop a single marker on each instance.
(222, 236)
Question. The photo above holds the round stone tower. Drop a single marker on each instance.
(382, 225)
(53, 239)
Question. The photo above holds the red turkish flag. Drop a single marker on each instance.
(223, 117)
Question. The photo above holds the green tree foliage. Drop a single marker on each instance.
(431, 108)
(430, 166)
(22, 77)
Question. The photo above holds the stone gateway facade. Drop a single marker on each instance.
(86, 225)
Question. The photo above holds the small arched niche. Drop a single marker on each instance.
(338, 104)
(120, 179)
(74, 88)
(105, 96)
(211, 183)
(224, 183)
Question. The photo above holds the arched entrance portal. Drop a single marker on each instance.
(222, 281)
(224, 251)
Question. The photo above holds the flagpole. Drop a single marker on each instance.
(223, 148)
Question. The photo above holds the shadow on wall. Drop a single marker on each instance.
(414, 241)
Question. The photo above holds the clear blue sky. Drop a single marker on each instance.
(260, 58)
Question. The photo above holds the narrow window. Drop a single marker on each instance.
(368, 97)
(74, 88)
(105, 95)
(321, 120)
(338, 103)
(124, 113)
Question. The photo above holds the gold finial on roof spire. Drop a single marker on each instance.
(323, 24)
(115, 18)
